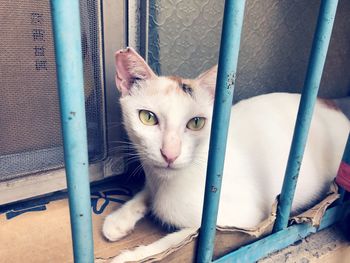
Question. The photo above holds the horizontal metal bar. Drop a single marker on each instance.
(307, 103)
(283, 238)
(229, 49)
(67, 39)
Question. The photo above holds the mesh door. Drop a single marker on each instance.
(30, 132)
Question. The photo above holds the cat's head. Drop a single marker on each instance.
(167, 118)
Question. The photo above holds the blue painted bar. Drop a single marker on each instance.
(312, 82)
(341, 172)
(229, 49)
(346, 155)
(66, 26)
(283, 238)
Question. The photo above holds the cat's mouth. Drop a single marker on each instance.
(167, 166)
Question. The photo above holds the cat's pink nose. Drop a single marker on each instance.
(169, 156)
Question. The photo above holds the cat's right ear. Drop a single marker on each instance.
(130, 67)
(207, 80)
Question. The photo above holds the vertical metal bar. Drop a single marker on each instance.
(308, 98)
(343, 176)
(346, 155)
(67, 38)
(144, 28)
(229, 49)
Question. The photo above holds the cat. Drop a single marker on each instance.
(168, 120)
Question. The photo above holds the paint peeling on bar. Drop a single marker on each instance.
(229, 49)
(312, 82)
(66, 27)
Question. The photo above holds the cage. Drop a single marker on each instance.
(275, 38)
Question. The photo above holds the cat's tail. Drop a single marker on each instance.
(160, 247)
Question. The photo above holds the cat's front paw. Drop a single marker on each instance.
(121, 222)
(115, 228)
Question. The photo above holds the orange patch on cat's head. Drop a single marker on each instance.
(182, 85)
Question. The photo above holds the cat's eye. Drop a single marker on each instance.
(148, 117)
(196, 123)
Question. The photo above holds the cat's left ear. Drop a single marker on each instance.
(207, 80)
(130, 67)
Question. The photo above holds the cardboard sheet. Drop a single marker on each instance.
(40, 231)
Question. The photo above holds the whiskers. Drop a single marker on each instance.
(199, 163)
(132, 153)
(139, 159)
(198, 166)
(136, 170)
(190, 160)
(124, 146)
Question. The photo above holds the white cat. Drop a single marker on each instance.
(168, 120)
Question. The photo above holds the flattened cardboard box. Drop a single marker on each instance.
(41, 232)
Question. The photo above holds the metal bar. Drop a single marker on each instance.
(144, 28)
(279, 240)
(343, 176)
(229, 49)
(308, 98)
(346, 155)
(67, 38)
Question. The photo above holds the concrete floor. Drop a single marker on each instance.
(330, 245)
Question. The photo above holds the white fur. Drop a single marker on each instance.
(257, 150)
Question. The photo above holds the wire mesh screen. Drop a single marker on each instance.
(184, 38)
(30, 133)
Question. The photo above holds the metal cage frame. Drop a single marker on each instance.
(65, 14)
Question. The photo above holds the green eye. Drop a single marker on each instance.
(196, 123)
(148, 117)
